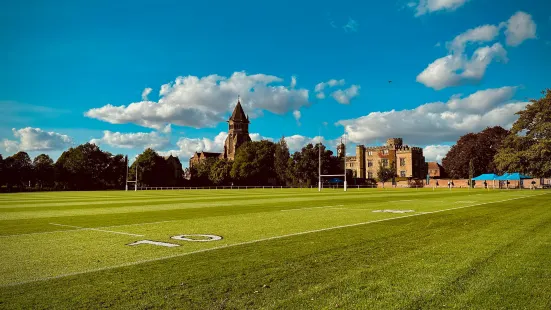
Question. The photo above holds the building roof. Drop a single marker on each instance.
(238, 114)
(434, 165)
(210, 154)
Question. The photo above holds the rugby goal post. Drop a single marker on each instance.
(329, 175)
(127, 181)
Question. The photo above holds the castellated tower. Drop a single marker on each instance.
(238, 131)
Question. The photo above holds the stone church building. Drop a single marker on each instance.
(238, 133)
(409, 162)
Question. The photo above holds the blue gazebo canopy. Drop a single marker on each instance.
(486, 177)
(513, 176)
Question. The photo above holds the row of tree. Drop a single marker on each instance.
(264, 162)
(84, 167)
(526, 148)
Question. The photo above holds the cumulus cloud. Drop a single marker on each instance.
(435, 152)
(145, 93)
(204, 101)
(438, 122)
(188, 146)
(351, 25)
(293, 81)
(485, 33)
(331, 83)
(454, 69)
(297, 115)
(519, 27)
(344, 96)
(141, 140)
(297, 142)
(457, 68)
(423, 7)
(36, 139)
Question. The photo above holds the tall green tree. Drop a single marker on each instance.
(303, 166)
(527, 148)
(220, 172)
(85, 167)
(19, 169)
(43, 171)
(479, 147)
(281, 161)
(152, 169)
(200, 172)
(2, 171)
(385, 174)
(254, 163)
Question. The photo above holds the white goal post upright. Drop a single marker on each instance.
(135, 182)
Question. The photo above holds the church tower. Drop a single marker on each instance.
(238, 131)
(341, 150)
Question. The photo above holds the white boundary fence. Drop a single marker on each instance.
(149, 188)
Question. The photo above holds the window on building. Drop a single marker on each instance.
(402, 161)
(370, 175)
(403, 174)
(384, 161)
(370, 163)
(385, 152)
(369, 153)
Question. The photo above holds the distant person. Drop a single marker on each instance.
(449, 184)
(485, 184)
(453, 184)
(533, 185)
(436, 183)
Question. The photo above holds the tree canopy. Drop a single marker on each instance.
(527, 148)
(479, 147)
(385, 174)
(254, 163)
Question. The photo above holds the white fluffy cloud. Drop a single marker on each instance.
(457, 68)
(36, 139)
(204, 101)
(519, 27)
(485, 33)
(331, 83)
(145, 93)
(423, 7)
(344, 96)
(133, 140)
(188, 146)
(297, 115)
(454, 69)
(438, 122)
(435, 152)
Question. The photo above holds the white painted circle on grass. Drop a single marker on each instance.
(204, 238)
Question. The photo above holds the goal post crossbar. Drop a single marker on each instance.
(332, 175)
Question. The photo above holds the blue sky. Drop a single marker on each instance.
(78, 71)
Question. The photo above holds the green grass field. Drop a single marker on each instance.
(280, 248)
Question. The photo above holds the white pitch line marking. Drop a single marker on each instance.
(95, 229)
(253, 241)
(311, 208)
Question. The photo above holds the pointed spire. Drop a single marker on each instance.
(238, 114)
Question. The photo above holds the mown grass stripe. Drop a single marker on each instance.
(261, 240)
